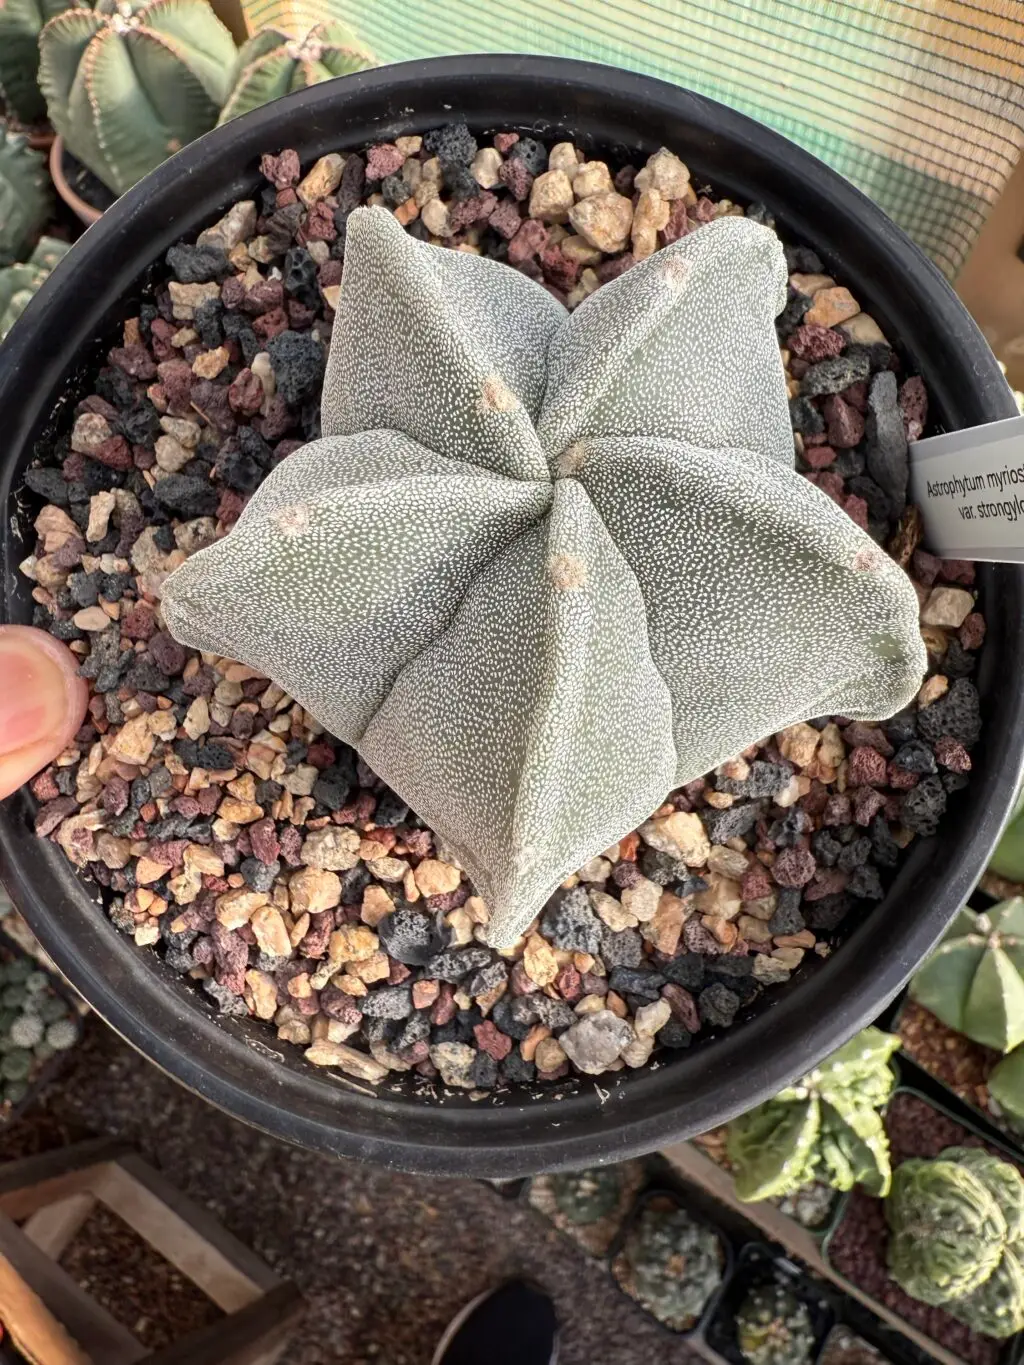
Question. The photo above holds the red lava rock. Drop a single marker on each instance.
(134, 361)
(925, 567)
(329, 273)
(299, 316)
(504, 141)
(263, 838)
(857, 396)
(678, 224)
(518, 981)
(813, 342)
(262, 297)
(176, 380)
(169, 853)
(845, 425)
(286, 197)
(398, 973)
(531, 238)
(337, 1004)
(291, 846)
(857, 510)
(567, 984)
(972, 632)
(54, 813)
(443, 1009)
(957, 571)
(825, 882)
(819, 457)
(858, 733)
(245, 393)
(270, 324)
(114, 452)
(952, 755)
(865, 803)
(490, 1039)
(829, 483)
(44, 787)
(514, 174)
(186, 805)
(593, 985)
(73, 467)
(281, 170)
(794, 867)
(756, 882)
(900, 780)
(209, 800)
(168, 655)
(816, 800)
(230, 506)
(450, 900)
(477, 209)
(704, 210)
(94, 403)
(913, 402)
(682, 1005)
(614, 266)
(231, 954)
(277, 419)
(383, 159)
(319, 224)
(232, 292)
(867, 767)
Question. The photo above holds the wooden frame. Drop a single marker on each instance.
(53, 1321)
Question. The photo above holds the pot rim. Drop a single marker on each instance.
(630, 1113)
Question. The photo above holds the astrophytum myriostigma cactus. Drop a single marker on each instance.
(545, 566)
(25, 199)
(20, 23)
(974, 981)
(773, 1327)
(132, 81)
(275, 62)
(956, 1226)
(826, 1127)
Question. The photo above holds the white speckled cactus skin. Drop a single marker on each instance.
(543, 567)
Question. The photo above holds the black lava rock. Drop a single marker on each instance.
(685, 970)
(412, 936)
(792, 315)
(621, 948)
(484, 1071)
(332, 787)
(259, 876)
(533, 154)
(662, 868)
(187, 497)
(454, 963)
(387, 1002)
(835, 374)
(826, 849)
(717, 1005)
(509, 1019)
(139, 424)
(516, 1070)
(570, 924)
(855, 854)
(198, 264)
(801, 260)
(453, 144)
(394, 191)
(923, 806)
(675, 1034)
(238, 471)
(915, 757)
(805, 417)
(210, 755)
(865, 883)
(957, 715)
(886, 439)
(487, 978)
(353, 882)
(732, 823)
(298, 362)
(391, 810)
(299, 277)
(206, 321)
(636, 981)
(787, 918)
(828, 913)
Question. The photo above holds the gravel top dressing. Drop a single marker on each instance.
(258, 855)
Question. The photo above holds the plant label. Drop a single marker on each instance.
(969, 486)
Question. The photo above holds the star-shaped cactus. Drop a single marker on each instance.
(545, 566)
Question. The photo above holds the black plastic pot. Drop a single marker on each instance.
(236, 1065)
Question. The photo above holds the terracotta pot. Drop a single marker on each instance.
(75, 202)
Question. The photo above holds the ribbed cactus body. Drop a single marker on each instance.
(20, 25)
(546, 566)
(827, 1127)
(130, 83)
(955, 1233)
(24, 195)
(974, 981)
(274, 63)
(773, 1327)
(675, 1264)
(19, 282)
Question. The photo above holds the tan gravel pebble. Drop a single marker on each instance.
(314, 889)
(539, 960)
(947, 607)
(681, 834)
(346, 1059)
(832, 306)
(435, 878)
(237, 225)
(603, 220)
(551, 197)
(269, 929)
(666, 173)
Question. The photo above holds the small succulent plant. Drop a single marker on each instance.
(773, 1327)
(20, 25)
(35, 1024)
(826, 1127)
(672, 1264)
(587, 1196)
(956, 1225)
(974, 981)
(275, 62)
(19, 282)
(24, 194)
(130, 82)
(546, 566)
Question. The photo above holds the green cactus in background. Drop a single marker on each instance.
(973, 982)
(19, 282)
(956, 1225)
(587, 1196)
(24, 195)
(274, 63)
(133, 81)
(545, 565)
(1008, 859)
(1006, 1084)
(674, 1265)
(827, 1127)
(773, 1327)
(20, 25)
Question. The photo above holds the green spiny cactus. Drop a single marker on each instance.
(546, 566)
(824, 1128)
(20, 25)
(587, 1196)
(19, 282)
(274, 63)
(133, 81)
(955, 1237)
(24, 194)
(675, 1265)
(773, 1327)
(974, 981)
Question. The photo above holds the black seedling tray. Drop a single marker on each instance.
(759, 1263)
(655, 1194)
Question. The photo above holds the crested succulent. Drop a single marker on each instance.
(974, 981)
(956, 1227)
(672, 1264)
(773, 1327)
(545, 566)
(20, 25)
(275, 62)
(24, 194)
(132, 81)
(826, 1127)
(19, 282)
